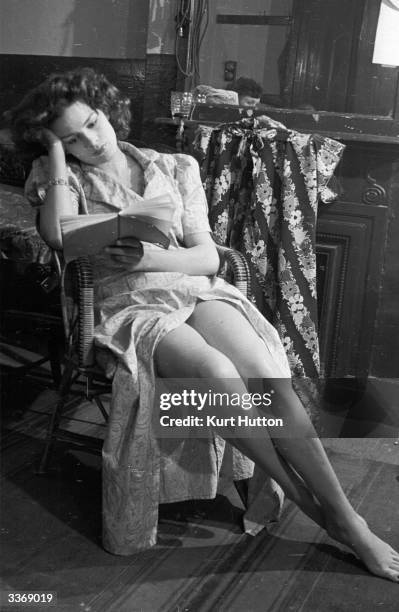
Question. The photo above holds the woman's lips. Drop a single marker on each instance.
(100, 150)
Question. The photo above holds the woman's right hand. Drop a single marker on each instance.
(44, 136)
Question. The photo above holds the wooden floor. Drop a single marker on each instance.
(51, 529)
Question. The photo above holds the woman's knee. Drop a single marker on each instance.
(185, 353)
(228, 331)
(257, 363)
(213, 364)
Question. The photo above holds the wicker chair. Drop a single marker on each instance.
(81, 375)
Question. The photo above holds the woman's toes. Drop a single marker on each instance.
(393, 575)
(380, 558)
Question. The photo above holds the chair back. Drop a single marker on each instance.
(77, 303)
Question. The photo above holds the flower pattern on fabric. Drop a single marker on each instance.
(221, 185)
(271, 205)
(220, 228)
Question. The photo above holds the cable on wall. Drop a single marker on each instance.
(192, 21)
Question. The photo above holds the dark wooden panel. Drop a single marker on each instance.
(331, 256)
(323, 52)
(365, 173)
(372, 89)
(161, 75)
(370, 174)
(342, 126)
(385, 356)
(350, 241)
(330, 59)
(274, 20)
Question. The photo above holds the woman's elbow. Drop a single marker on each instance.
(212, 262)
(52, 237)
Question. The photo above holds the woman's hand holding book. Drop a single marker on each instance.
(126, 251)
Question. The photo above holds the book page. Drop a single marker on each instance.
(71, 222)
(161, 207)
(147, 220)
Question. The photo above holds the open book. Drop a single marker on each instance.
(146, 220)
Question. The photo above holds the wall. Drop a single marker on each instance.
(74, 28)
(241, 43)
(255, 48)
(131, 41)
(161, 27)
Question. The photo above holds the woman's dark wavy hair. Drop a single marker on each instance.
(46, 102)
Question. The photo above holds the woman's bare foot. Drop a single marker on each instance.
(380, 558)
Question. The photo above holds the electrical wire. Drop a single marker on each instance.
(195, 14)
(182, 18)
(200, 27)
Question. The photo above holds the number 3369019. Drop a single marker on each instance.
(31, 598)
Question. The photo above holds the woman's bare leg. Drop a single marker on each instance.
(224, 328)
(183, 353)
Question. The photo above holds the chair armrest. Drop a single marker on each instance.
(84, 280)
(234, 268)
(77, 289)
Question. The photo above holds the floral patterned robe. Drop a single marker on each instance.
(264, 183)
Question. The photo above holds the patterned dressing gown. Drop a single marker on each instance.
(134, 312)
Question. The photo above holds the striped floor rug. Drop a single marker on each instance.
(51, 539)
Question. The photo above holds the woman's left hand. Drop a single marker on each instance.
(127, 251)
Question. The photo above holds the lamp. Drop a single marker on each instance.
(386, 46)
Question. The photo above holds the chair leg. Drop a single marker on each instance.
(101, 407)
(63, 392)
(54, 358)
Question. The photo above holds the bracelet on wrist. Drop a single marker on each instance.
(57, 182)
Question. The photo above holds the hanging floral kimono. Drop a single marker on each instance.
(263, 187)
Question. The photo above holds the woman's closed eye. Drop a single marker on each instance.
(90, 124)
(93, 121)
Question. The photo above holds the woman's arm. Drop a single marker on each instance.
(58, 201)
(199, 258)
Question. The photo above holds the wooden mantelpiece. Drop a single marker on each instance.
(369, 205)
(347, 126)
(341, 126)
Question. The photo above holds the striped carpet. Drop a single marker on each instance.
(51, 528)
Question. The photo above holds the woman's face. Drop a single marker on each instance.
(86, 134)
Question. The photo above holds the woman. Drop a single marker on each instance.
(166, 312)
